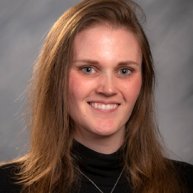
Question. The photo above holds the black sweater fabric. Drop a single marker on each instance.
(102, 169)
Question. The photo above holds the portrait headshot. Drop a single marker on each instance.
(96, 96)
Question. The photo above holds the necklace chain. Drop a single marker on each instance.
(94, 184)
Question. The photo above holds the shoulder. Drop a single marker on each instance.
(184, 169)
(8, 179)
(185, 173)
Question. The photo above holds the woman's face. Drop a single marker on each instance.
(104, 82)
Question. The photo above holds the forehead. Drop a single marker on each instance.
(112, 25)
(104, 40)
(107, 25)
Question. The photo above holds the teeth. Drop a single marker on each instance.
(102, 106)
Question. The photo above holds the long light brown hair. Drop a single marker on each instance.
(48, 166)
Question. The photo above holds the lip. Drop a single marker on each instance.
(104, 106)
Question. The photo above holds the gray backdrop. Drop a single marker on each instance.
(169, 26)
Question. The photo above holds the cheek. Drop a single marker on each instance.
(137, 86)
(132, 89)
(80, 86)
(74, 87)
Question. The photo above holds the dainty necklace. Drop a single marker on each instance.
(94, 184)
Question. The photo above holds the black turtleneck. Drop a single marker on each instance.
(102, 169)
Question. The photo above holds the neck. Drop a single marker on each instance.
(102, 145)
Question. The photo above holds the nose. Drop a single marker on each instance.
(107, 85)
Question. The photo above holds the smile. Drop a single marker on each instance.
(103, 107)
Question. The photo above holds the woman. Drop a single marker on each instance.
(92, 119)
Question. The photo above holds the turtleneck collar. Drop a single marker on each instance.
(98, 165)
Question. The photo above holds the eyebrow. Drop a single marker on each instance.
(86, 61)
(94, 62)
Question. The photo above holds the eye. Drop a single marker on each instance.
(125, 71)
(88, 69)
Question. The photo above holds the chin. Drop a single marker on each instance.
(106, 131)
